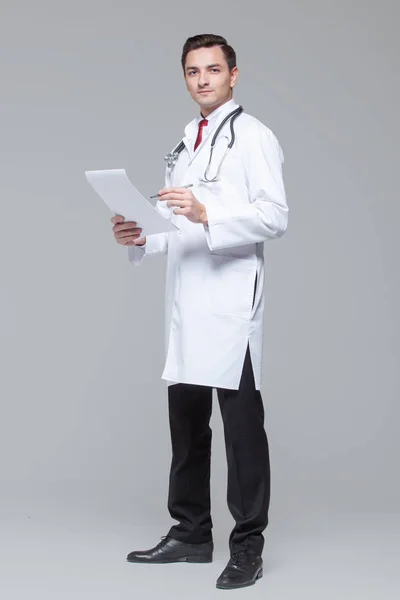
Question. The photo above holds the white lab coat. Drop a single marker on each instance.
(211, 269)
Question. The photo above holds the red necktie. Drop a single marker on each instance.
(202, 124)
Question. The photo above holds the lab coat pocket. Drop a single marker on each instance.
(230, 285)
(207, 191)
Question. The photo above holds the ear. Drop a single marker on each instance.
(234, 76)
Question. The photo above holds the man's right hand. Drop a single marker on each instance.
(126, 233)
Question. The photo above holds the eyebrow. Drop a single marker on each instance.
(207, 66)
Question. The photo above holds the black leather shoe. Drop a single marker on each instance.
(243, 569)
(170, 550)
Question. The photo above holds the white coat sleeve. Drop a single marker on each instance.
(157, 243)
(265, 216)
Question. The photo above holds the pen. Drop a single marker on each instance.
(184, 186)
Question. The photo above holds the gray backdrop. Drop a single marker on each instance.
(85, 448)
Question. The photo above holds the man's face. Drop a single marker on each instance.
(208, 78)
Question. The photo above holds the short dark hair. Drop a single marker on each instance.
(208, 40)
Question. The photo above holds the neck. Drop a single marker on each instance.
(206, 111)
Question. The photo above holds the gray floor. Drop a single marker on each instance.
(57, 552)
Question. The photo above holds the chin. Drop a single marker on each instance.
(206, 101)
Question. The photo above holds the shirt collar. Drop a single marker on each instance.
(221, 111)
(213, 118)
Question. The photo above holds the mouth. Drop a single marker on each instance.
(205, 91)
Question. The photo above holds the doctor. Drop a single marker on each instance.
(214, 312)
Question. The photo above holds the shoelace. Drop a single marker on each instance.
(238, 558)
(164, 537)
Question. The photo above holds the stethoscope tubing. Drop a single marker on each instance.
(173, 156)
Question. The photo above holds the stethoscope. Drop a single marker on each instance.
(172, 158)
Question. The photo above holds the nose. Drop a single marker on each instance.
(203, 79)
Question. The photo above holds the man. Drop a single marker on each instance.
(214, 313)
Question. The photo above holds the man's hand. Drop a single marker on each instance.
(187, 204)
(126, 233)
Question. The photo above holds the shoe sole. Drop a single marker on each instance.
(234, 587)
(189, 559)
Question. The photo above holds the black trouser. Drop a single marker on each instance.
(247, 456)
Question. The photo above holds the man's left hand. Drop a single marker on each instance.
(187, 204)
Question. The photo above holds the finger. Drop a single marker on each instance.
(127, 234)
(124, 226)
(174, 196)
(140, 241)
(117, 219)
(132, 242)
(180, 203)
(181, 211)
(120, 219)
(126, 242)
(172, 190)
(169, 196)
(168, 190)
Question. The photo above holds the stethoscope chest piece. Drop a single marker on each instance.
(172, 157)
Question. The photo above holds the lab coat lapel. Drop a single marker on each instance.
(191, 130)
(190, 137)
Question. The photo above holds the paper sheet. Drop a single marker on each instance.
(122, 198)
